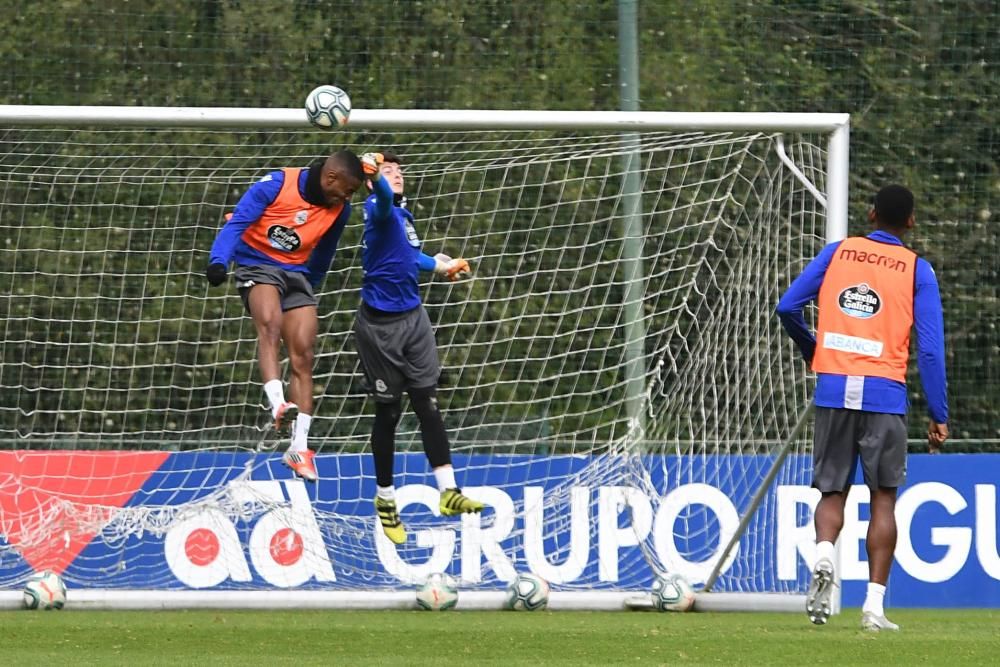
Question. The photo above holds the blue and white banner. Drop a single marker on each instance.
(593, 535)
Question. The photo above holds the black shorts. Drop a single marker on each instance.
(397, 351)
(294, 289)
(844, 436)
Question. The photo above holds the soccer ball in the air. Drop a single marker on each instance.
(45, 590)
(438, 592)
(528, 592)
(672, 592)
(328, 107)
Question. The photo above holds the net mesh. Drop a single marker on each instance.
(607, 327)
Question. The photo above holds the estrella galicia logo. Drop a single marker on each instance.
(860, 301)
(283, 238)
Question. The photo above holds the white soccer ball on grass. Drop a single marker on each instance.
(438, 592)
(673, 592)
(44, 590)
(527, 592)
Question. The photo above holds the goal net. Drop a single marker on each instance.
(615, 385)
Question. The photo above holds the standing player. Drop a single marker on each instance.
(283, 235)
(871, 291)
(396, 343)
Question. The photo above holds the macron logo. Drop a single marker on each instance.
(862, 346)
(873, 258)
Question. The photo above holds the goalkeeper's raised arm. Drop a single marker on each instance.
(395, 341)
(386, 182)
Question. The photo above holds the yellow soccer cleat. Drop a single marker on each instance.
(388, 516)
(454, 502)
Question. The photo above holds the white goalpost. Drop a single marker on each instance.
(616, 385)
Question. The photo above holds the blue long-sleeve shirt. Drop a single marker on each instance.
(390, 253)
(229, 245)
(878, 394)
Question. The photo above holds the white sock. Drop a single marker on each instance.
(386, 492)
(300, 433)
(275, 394)
(825, 550)
(874, 599)
(445, 476)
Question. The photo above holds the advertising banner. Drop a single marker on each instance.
(228, 521)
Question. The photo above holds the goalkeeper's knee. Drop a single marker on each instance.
(424, 402)
(387, 415)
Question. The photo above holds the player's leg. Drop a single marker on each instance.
(379, 346)
(438, 451)
(383, 444)
(881, 545)
(883, 458)
(262, 289)
(881, 540)
(829, 520)
(298, 330)
(423, 368)
(264, 304)
(834, 461)
(299, 333)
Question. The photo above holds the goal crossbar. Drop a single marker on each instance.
(837, 125)
(423, 119)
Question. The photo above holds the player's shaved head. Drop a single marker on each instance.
(334, 179)
(893, 206)
(345, 162)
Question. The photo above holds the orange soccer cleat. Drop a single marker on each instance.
(285, 417)
(301, 463)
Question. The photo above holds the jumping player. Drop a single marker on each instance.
(396, 343)
(282, 236)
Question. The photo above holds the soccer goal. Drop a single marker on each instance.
(615, 385)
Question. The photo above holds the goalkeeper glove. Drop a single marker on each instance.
(216, 274)
(370, 162)
(452, 269)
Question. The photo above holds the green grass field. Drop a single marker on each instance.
(507, 638)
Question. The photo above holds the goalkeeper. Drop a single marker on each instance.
(396, 343)
(282, 236)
